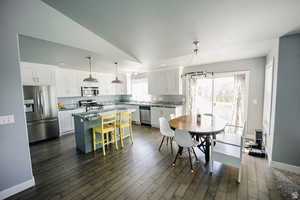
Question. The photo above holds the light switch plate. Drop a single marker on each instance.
(7, 119)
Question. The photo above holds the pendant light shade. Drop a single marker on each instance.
(116, 81)
(90, 78)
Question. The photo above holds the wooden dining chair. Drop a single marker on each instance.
(106, 131)
(125, 121)
(228, 149)
(184, 140)
(166, 132)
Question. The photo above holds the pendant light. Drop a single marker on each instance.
(90, 78)
(196, 74)
(117, 81)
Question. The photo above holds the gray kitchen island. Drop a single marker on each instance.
(84, 123)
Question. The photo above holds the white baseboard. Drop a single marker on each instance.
(287, 167)
(16, 189)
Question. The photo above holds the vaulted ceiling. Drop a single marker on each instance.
(159, 33)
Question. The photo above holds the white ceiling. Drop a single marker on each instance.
(160, 32)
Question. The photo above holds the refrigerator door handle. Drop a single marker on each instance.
(38, 103)
(41, 104)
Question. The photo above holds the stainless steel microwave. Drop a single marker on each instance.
(89, 91)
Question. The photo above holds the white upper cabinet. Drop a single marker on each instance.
(67, 83)
(27, 75)
(121, 88)
(37, 74)
(81, 75)
(105, 85)
(167, 82)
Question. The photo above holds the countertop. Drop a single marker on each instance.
(166, 105)
(169, 105)
(93, 115)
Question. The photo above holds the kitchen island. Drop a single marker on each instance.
(85, 121)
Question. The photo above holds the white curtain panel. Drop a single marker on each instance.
(188, 108)
(238, 114)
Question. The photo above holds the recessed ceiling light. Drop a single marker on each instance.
(61, 63)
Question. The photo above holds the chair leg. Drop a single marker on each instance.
(190, 160)
(130, 131)
(115, 138)
(162, 141)
(94, 140)
(103, 143)
(211, 167)
(240, 174)
(167, 141)
(194, 153)
(171, 142)
(121, 136)
(179, 151)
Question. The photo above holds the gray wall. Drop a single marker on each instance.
(256, 66)
(287, 117)
(17, 17)
(15, 167)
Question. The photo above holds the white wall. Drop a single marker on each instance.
(272, 57)
(256, 67)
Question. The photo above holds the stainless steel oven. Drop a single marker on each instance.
(90, 104)
(89, 91)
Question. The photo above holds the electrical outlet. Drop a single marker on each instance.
(7, 119)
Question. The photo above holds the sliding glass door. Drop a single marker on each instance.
(223, 96)
(223, 93)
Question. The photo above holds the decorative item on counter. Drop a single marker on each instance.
(60, 106)
(198, 118)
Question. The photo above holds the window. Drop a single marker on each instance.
(139, 88)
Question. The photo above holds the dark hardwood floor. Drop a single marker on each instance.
(139, 171)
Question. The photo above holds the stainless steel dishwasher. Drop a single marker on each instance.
(145, 115)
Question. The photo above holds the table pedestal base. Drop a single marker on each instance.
(204, 146)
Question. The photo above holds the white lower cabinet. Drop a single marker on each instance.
(66, 121)
(135, 114)
(157, 112)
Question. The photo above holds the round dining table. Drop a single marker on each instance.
(202, 130)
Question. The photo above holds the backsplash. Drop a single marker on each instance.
(69, 101)
(168, 99)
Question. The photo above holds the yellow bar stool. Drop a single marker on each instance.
(125, 122)
(107, 127)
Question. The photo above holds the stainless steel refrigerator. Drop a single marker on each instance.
(41, 112)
